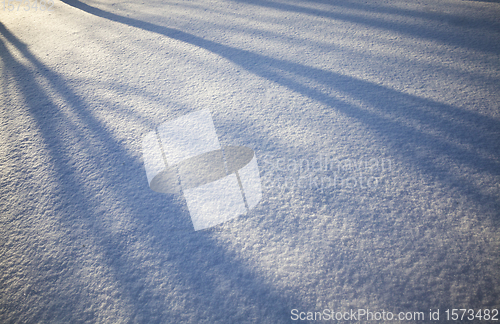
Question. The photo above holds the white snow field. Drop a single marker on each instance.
(376, 128)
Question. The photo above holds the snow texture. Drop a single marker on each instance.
(376, 131)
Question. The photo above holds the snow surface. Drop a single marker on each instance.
(411, 89)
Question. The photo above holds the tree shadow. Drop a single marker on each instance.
(216, 285)
(434, 139)
(427, 134)
(393, 116)
(410, 13)
(420, 31)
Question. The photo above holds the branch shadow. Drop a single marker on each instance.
(411, 13)
(420, 31)
(387, 119)
(444, 131)
(217, 286)
(430, 136)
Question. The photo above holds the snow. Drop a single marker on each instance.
(376, 129)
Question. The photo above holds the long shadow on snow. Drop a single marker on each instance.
(441, 17)
(419, 31)
(216, 285)
(447, 132)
